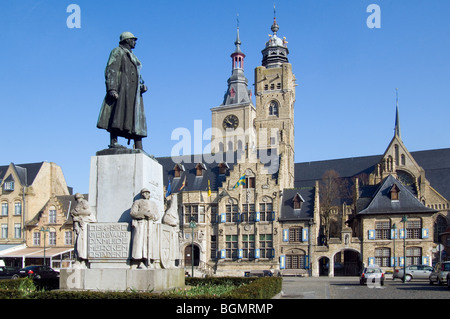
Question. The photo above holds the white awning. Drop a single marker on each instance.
(36, 252)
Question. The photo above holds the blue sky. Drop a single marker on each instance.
(52, 76)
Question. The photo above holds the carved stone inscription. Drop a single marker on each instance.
(108, 241)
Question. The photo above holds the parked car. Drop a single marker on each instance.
(372, 274)
(8, 272)
(258, 273)
(414, 272)
(448, 280)
(38, 272)
(439, 273)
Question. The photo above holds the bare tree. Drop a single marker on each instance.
(332, 188)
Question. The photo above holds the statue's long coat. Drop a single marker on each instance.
(125, 116)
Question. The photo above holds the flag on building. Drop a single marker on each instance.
(169, 189)
(184, 184)
(241, 181)
(209, 189)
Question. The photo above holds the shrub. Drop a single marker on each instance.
(261, 288)
(200, 288)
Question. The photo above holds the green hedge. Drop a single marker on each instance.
(247, 288)
(261, 288)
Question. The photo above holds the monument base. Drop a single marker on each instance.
(109, 279)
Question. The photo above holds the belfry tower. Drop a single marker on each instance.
(233, 119)
(275, 98)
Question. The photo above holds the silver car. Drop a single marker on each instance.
(414, 272)
(439, 273)
(372, 275)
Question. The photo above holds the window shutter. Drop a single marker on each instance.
(257, 253)
(371, 261)
(285, 235)
(223, 218)
(282, 262)
(371, 233)
(393, 261)
(240, 253)
(257, 216)
(394, 233)
(425, 233)
(305, 234)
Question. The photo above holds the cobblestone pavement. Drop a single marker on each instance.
(349, 288)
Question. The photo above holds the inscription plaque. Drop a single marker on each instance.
(110, 241)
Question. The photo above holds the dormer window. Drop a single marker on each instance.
(394, 192)
(177, 170)
(199, 168)
(223, 167)
(8, 186)
(297, 201)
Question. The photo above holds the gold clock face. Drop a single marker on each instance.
(230, 122)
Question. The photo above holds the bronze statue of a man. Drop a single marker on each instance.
(122, 113)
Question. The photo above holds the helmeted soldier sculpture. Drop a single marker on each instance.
(122, 112)
(144, 214)
(81, 216)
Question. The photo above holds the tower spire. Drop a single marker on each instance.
(275, 26)
(238, 91)
(397, 118)
(237, 43)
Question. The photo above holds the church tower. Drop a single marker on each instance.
(232, 121)
(275, 98)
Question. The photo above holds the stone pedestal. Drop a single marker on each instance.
(116, 180)
(109, 279)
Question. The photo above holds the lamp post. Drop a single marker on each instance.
(394, 228)
(192, 225)
(45, 230)
(404, 220)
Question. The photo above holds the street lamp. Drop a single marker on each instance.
(394, 228)
(192, 225)
(404, 220)
(45, 230)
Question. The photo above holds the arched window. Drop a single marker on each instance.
(273, 108)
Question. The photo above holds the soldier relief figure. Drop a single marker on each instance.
(144, 215)
(122, 112)
(81, 216)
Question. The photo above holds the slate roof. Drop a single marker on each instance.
(288, 213)
(381, 202)
(211, 163)
(26, 172)
(308, 172)
(436, 164)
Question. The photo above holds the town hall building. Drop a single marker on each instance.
(248, 207)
